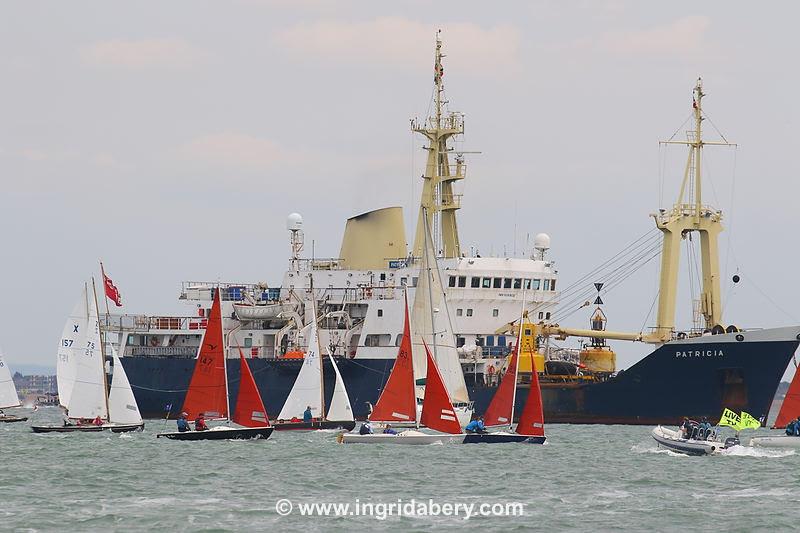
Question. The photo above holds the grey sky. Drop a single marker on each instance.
(171, 139)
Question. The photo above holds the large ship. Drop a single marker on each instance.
(358, 298)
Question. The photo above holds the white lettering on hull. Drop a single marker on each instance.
(700, 353)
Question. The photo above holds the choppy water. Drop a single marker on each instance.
(586, 477)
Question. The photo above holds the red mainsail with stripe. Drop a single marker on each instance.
(791, 404)
(208, 391)
(398, 402)
(501, 410)
(250, 411)
(437, 409)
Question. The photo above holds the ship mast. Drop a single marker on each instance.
(686, 216)
(438, 204)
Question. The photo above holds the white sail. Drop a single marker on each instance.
(307, 389)
(8, 393)
(430, 317)
(340, 408)
(122, 406)
(88, 397)
(70, 346)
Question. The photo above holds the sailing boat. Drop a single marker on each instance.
(81, 376)
(790, 409)
(397, 402)
(308, 392)
(208, 391)
(8, 393)
(501, 409)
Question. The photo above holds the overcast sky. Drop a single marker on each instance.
(171, 139)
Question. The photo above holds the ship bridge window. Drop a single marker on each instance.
(541, 315)
(507, 283)
(537, 283)
(398, 340)
(547, 316)
(469, 312)
(498, 282)
(547, 284)
(383, 276)
(459, 312)
(527, 285)
(462, 281)
(460, 341)
(487, 283)
(452, 281)
(501, 340)
(373, 340)
(248, 342)
(552, 284)
(517, 283)
(490, 340)
(475, 283)
(403, 281)
(380, 312)
(495, 312)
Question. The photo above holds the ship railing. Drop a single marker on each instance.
(705, 211)
(144, 323)
(231, 292)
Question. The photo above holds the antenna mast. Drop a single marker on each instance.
(690, 215)
(438, 198)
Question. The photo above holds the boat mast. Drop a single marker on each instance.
(102, 350)
(522, 316)
(688, 215)
(224, 357)
(426, 263)
(319, 350)
(438, 204)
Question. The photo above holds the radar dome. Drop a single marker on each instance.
(294, 222)
(541, 241)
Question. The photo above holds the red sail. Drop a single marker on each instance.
(398, 402)
(501, 410)
(207, 392)
(437, 409)
(791, 404)
(250, 411)
(531, 421)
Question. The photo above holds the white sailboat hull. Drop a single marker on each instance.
(782, 441)
(410, 437)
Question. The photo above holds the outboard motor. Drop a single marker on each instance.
(732, 441)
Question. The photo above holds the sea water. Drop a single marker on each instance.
(584, 478)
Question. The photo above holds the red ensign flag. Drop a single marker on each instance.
(111, 291)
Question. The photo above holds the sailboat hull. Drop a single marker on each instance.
(220, 434)
(404, 437)
(12, 418)
(315, 425)
(501, 438)
(116, 428)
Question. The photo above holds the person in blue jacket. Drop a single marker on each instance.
(389, 431)
(183, 424)
(476, 426)
(307, 416)
(793, 428)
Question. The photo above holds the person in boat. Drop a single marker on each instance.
(389, 431)
(200, 423)
(366, 428)
(705, 429)
(183, 424)
(689, 428)
(307, 416)
(793, 428)
(476, 426)
(97, 421)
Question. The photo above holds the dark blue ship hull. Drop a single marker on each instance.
(676, 380)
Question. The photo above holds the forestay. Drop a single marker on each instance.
(88, 398)
(70, 346)
(430, 323)
(8, 393)
(307, 389)
(122, 406)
